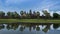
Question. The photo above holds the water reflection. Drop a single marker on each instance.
(12, 26)
(1, 26)
(22, 28)
(55, 26)
(31, 27)
(37, 28)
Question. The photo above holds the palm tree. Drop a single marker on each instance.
(21, 12)
(16, 15)
(47, 15)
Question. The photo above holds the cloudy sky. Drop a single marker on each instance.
(17, 5)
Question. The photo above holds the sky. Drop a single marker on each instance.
(17, 5)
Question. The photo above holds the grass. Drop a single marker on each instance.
(28, 21)
(40, 21)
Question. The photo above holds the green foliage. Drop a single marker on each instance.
(10, 14)
(47, 15)
(29, 15)
(2, 14)
(38, 28)
(21, 12)
(55, 15)
(55, 26)
(16, 15)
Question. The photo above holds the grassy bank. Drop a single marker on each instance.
(28, 21)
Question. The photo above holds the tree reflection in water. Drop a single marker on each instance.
(46, 28)
(1, 26)
(30, 26)
(12, 26)
(21, 28)
(37, 28)
(55, 26)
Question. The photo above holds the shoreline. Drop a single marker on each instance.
(28, 21)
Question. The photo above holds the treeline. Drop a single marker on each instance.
(28, 15)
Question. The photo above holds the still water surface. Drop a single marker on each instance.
(19, 28)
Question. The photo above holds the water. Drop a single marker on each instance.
(19, 28)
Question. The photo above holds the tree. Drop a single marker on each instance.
(16, 15)
(36, 14)
(47, 15)
(23, 14)
(55, 15)
(2, 14)
(10, 14)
